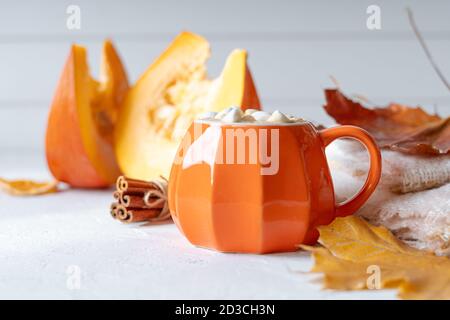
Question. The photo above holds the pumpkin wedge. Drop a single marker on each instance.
(172, 92)
(80, 130)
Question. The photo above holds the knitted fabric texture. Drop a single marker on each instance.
(412, 199)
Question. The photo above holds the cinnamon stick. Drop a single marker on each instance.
(144, 200)
(123, 183)
(136, 215)
(138, 200)
(113, 209)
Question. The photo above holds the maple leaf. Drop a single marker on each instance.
(398, 127)
(352, 248)
(27, 187)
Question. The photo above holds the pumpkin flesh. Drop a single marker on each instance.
(82, 117)
(172, 92)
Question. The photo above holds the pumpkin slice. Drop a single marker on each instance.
(82, 120)
(172, 92)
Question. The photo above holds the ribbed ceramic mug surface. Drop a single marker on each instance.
(259, 188)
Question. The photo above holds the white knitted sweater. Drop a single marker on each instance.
(412, 199)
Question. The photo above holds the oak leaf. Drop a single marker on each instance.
(353, 250)
(398, 127)
(27, 187)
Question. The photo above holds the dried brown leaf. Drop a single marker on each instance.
(27, 187)
(353, 249)
(398, 127)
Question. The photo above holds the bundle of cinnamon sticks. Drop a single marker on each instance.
(137, 200)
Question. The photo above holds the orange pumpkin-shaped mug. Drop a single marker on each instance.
(260, 188)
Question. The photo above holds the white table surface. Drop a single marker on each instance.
(44, 239)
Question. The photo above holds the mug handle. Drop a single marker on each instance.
(351, 205)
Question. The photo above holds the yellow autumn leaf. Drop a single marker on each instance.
(27, 187)
(357, 255)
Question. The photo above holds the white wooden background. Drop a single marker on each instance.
(294, 47)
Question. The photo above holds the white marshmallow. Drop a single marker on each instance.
(250, 111)
(261, 115)
(247, 118)
(278, 116)
(296, 119)
(234, 115)
(222, 113)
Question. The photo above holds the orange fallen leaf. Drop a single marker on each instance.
(357, 255)
(27, 187)
(398, 127)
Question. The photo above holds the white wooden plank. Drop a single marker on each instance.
(282, 70)
(22, 128)
(294, 46)
(46, 19)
